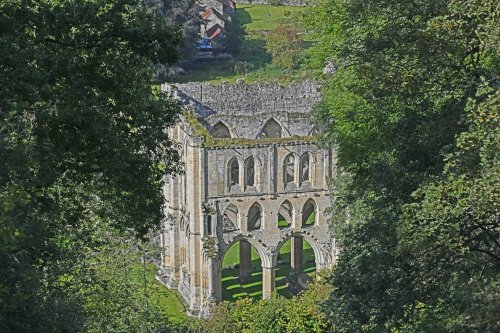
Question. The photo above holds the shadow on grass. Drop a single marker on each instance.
(233, 288)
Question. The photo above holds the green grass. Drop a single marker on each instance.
(255, 21)
(232, 289)
(257, 18)
(158, 294)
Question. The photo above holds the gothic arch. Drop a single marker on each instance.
(309, 208)
(289, 175)
(250, 172)
(254, 217)
(305, 173)
(272, 129)
(286, 210)
(220, 130)
(318, 253)
(233, 172)
(264, 257)
(230, 218)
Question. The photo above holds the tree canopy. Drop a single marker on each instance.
(82, 145)
(412, 108)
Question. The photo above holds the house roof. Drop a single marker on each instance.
(209, 12)
(215, 31)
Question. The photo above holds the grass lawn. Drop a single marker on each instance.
(255, 21)
(257, 18)
(158, 294)
(232, 289)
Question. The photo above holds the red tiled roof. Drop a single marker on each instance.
(207, 13)
(214, 31)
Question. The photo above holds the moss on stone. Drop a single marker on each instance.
(210, 142)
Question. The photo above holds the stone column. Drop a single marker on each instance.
(245, 260)
(297, 255)
(268, 275)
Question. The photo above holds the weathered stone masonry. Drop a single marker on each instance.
(249, 156)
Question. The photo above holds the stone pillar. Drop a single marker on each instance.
(245, 260)
(216, 282)
(297, 255)
(268, 275)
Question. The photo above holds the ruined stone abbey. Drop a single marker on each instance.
(250, 159)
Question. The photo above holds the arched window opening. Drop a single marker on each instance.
(271, 130)
(234, 172)
(220, 131)
(250, 172)
(296, 265)
(230, 218)
(285, 214)
(305, 168)
(309, 213)
(241, 272)
(289, 169)
(254, 217)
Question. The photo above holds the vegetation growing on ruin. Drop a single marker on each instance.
(209, 141)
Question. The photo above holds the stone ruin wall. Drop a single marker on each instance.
(245, 108)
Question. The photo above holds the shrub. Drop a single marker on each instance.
(285, 45)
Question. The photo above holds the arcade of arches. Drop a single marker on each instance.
(270, 197)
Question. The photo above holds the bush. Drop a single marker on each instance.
(243, 67)
(285, 45)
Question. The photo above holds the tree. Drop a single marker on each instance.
(412, 109)
(298, 314)
(285, 45)
(83, 143)
(184, 15)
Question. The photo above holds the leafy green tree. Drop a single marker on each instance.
(183, 14)
(298, 314)
(82, 143)
(234, 36)
(284, 43)
(413, 111)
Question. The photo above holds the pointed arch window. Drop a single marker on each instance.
(230, 218)
(220, 131)
(250, 172)
(305, 168)
(285, 215)
(309, 213)
(289, 169)
(271, 130)
(254, 217)
(234, 172)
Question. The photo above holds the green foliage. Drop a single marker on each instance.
(234, 36)
(83, 146)
(299, 314)
(284, 44)
(413, 110)
(184, 15)
(245, 38)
